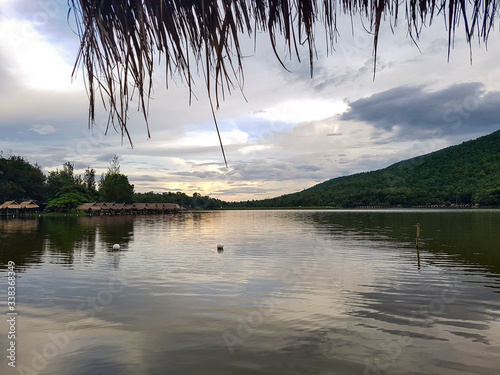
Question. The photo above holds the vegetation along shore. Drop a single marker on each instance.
(465, 175)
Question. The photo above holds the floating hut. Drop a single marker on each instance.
(90, 208)
(10, 208)
(105, 208)
(29, 206)
(13, 208)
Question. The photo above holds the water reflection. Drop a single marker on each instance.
(21, 241)
(25, 241)
(469, 236)
(293, 292)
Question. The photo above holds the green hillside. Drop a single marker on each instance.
(468, 173)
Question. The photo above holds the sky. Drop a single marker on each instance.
(287, 133)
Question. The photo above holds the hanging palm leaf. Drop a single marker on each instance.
(121, 38)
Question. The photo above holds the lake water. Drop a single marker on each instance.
(293, 292)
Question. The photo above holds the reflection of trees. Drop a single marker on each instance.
(65, 239)
(21, 241)
(470, 236)
(112, 229)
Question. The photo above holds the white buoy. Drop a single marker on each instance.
(220, 246)
(116, 247)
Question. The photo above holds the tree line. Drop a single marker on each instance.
(465, 174)
(63, 189)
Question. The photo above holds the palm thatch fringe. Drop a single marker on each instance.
(120, 39)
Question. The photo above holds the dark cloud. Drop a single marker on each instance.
(207, 164)
(245, 190)
(144, 177)
(105, 158)
(259, 170)
(201, 174)
(411, 111)
(279, 170)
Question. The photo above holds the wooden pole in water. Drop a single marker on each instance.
(418, 234)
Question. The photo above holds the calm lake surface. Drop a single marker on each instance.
(293, 292)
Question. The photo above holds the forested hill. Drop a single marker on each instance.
(468, 173)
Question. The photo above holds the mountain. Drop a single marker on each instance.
(465, 174)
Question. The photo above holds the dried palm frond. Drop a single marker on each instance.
(121, 38)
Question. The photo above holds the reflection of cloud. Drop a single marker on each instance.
(43, 129)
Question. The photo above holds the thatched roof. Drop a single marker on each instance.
(29, 205)
(104, 205)
(117, 206)
(141, 206)
(120, 39)
(88, 207)
(170, 206)
(11, 205)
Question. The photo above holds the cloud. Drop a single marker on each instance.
(43, 129)
(211, 175)
(278, 170)
(414, 111)
(145, 177)
(245, 190)
(289, 135)
(106, 157)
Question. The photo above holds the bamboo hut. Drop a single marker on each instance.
(29, 206)
(120, 40)
(105, 208)
(90, 208)
(140, 208)
(122, 208)
(10, 208)
(170, 207)
(117, 208)
(129, 208)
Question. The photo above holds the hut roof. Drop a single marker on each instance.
(170, 206)
(117, 206)
(84, 206)
(140, 206)
(29, 204)
(10, 205)
(104, 205)
(88, 207)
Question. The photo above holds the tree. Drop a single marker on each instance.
(114, 186)
(121, 39)
(89, 180)
(66, 181)
(61, 182)
(69, 168)
(114, 167)
(67, 201)
(19, 180)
